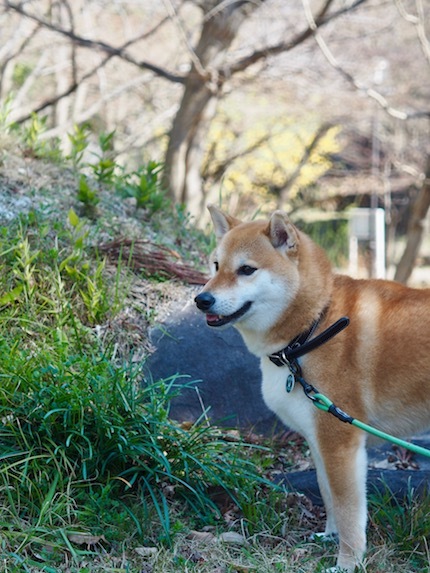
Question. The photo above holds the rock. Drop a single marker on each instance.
(202, 536)
(218, 374)
(12, 205)
(146, 551)
(398, 482)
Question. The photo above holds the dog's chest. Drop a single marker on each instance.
(293, 408)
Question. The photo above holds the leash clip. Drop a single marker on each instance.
(308, 389)
(296, 372)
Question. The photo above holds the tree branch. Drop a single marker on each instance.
(221, 168)
(78, 81)
(16, 53)
(320, 20)
(369, 92)
(111, 50)
(59, 96)
(73, 47)
(241, 65)
(420, 209)
(307, 152)
(419, 23)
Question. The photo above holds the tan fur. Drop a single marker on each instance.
(377, 370)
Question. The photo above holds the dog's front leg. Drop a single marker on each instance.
(343, 478)
(330, 532)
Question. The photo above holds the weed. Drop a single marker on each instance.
(35, 145)
(104, 168)
(405, 525)
(145, 186)
(79, 144)
(76, 419)
(87, 444)
(89, 196)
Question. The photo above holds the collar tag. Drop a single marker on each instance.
(289, 385)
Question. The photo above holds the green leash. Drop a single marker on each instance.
(325, 404)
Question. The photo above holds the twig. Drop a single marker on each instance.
(419, 23)
(320, 20)
(152, 259)
(307, 152)
(98, 45)
(8, 58)
(370, 92)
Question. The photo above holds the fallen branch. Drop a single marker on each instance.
(152, 260)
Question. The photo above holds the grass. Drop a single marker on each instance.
(87, 444)
(94, 475)
(405, 526)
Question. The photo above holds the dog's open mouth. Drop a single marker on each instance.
(220, 320)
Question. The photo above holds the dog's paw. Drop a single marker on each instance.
(335, 570)
(324, 537)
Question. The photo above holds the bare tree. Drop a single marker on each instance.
(198, 106)
(422, 203)
(204, 84)
(416, 227)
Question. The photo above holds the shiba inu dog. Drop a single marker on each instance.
(276, 286)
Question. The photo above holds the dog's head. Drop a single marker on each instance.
(254, 270)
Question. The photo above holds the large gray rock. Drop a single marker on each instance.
(400, 483)
(216, 371)
(219, 376)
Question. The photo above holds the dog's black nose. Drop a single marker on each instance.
(204, 301)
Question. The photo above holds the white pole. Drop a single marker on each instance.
(380, 243)
(353, 255)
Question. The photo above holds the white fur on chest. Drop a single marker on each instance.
(294, 409)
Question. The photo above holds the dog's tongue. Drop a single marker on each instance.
(212, 318)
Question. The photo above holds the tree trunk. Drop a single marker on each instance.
(415, 229)
(199, 102)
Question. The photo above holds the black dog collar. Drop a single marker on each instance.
(302, 345)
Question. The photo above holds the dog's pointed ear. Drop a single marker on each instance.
(282, 232)
(221, 221)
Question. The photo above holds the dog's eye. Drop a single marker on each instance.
(216, 265)
(246, 270)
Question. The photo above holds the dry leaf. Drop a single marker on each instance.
(232, 537)
(205, 536)
(85, 539)
(146, 551)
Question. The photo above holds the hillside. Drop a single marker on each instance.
(160, 252)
